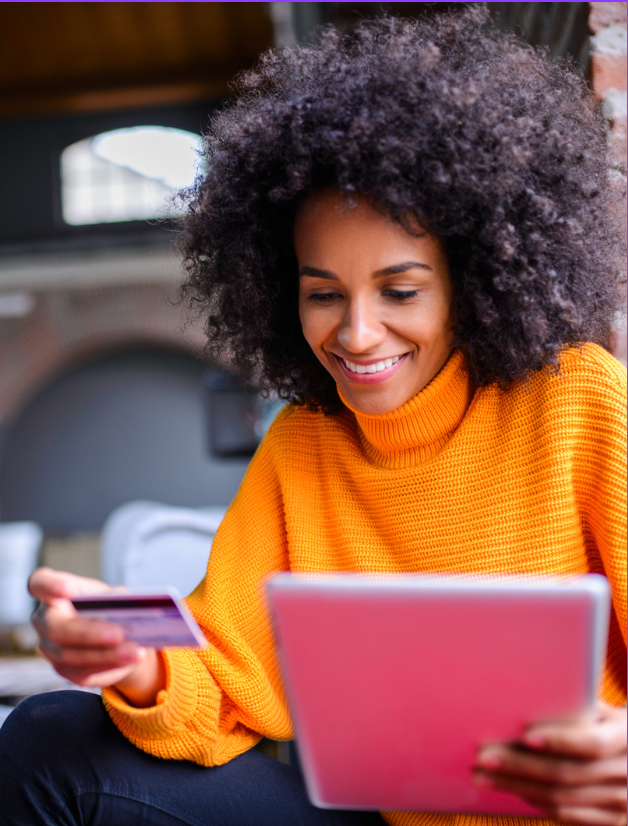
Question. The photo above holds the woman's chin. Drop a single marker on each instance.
(371, 399)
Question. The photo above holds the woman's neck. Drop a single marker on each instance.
(421, 427)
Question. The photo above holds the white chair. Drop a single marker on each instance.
(150, 545)
(20, 543)
(4, 713)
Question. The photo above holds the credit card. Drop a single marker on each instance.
(156, 620)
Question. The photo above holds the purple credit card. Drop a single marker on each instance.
(156, 620)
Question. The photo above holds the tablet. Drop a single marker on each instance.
(394, 682)
(156, 619)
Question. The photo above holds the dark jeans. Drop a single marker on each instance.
(63, 762)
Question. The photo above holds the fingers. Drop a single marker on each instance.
(59, 627)
(73, 662)
(86, 652)
(48, 585)
(588, 738)
(607, 795)
(590, 816)
(551, 769)
(91, 679)
(82, 650)
(598, 805)
(45, 583)
(67, 658)
(576, 771)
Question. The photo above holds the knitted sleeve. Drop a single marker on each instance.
(602, 455)
(220, 701)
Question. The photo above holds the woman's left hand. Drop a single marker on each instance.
(574, 771)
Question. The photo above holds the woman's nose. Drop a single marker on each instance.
(361, 329)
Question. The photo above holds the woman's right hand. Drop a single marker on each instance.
(90, 652)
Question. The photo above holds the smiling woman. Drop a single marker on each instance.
(411, 235)
(374, 300)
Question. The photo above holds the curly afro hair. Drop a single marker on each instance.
(496, 149)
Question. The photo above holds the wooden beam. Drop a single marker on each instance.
(24, 103)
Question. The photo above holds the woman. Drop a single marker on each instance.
(411, 236)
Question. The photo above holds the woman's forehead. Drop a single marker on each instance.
(328, 204)
(336, 234)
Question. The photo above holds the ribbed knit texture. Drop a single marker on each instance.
(528, 481)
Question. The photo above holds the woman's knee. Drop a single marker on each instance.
(50, 721)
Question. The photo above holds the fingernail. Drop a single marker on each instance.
(111, 637)
(490, 758)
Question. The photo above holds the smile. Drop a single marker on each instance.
(371, 368)
(374, 373)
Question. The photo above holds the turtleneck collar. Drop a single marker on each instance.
(421, 427)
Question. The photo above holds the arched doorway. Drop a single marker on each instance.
(127, 425)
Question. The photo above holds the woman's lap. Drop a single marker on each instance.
(63, 762)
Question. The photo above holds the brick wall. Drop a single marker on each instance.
(607, 24)
(68, 326)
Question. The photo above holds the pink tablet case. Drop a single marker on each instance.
(394, 682)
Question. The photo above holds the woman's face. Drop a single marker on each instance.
(374, 301)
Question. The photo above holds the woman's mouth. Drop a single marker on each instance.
(372, 373)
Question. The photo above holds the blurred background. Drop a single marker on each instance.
(105, 397)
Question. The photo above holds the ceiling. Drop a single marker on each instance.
(63, 58)
(78, 57)
(69, 71)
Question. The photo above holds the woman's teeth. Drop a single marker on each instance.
(370, 368)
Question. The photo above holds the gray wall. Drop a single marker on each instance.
(128, 426)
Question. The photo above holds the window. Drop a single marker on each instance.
(127, 174)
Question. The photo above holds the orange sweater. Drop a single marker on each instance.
(529, 481)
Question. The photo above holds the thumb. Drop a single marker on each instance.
(49, 586)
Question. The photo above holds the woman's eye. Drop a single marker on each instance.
(400, 295)
(323, 298)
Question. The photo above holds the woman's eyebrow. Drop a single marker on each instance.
(394, 269)
(314, 272)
